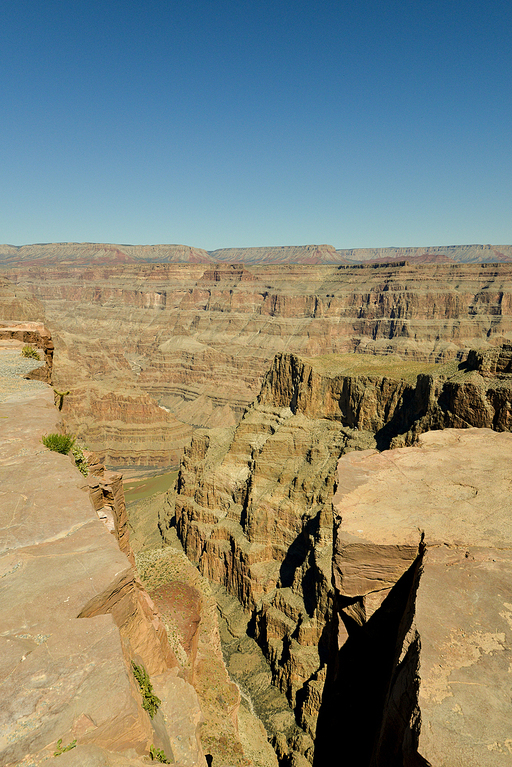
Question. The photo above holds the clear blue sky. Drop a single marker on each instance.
(358, 123)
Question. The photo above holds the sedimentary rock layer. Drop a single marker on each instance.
(87, 252)
(151, 352)
(253, 503)
(419, 672)
(73, 616)
(16, 303)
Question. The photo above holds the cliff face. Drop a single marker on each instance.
(74, 615)
(420, 638)
(18, 304)
(151, 352)
(253, 504)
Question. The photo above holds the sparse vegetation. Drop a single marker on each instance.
(80, 460)
(59, 443)
(150, 701)
(157, 755)
(60, 748)
(29, 351)
(66, 443)
(59, 397)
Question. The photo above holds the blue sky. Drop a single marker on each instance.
(218, 124)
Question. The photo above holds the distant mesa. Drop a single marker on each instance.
(87, 253)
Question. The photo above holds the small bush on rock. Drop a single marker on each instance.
(66, 443)
(157, 755)
(29, 351)
(61, 749)
(150, 701)
(81, 463)
(59, 443)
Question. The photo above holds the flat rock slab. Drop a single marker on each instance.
(60, 676)
(453, 491)
(455, 486)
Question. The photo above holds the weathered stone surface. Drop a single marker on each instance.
(422, 568)
(72, 612)
(150, 352)
(253, 505)
(18, 304)
(230, 732)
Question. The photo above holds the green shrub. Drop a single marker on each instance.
(80, 460)
(59, 443)
(157, 755)
(150, 701)
(66, 443)
(60, 748)
(29, 351)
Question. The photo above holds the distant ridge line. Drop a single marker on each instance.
(86, 253)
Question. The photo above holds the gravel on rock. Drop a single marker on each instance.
(12, 369)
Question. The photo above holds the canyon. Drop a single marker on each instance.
(342, 433)
(151, 352)
(108, 253)
(76, 618)
(253, 506)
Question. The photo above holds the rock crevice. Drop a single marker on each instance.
(253, 505)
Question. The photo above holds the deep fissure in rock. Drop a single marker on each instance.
(363, 674)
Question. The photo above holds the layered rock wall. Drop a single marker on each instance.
(151, 352)
(253, 504)
(87, 252)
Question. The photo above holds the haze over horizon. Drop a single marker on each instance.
(235, 124)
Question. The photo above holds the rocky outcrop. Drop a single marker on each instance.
(107, 497)
(34, 334)
(421, 634)
(253, 503)
(150, 352)
(74, 617)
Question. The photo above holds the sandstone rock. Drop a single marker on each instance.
(422, 568)
(18, 304)
(231, 734)
(253, 504)
(72, 612)
(34, 334)
(153, 351)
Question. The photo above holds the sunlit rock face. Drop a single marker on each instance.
(421, 633)
(253, 505)
(73, 615)
(149, 352)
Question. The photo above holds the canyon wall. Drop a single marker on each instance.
(151, 352)
(89, 252)
(75, 615)
(253, 502)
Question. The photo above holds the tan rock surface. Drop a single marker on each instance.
(230, 732)
(62, 675)
(18, 304)
(423, 579)
(150, 352)
(253, 504)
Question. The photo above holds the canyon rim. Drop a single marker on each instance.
(341, 424)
